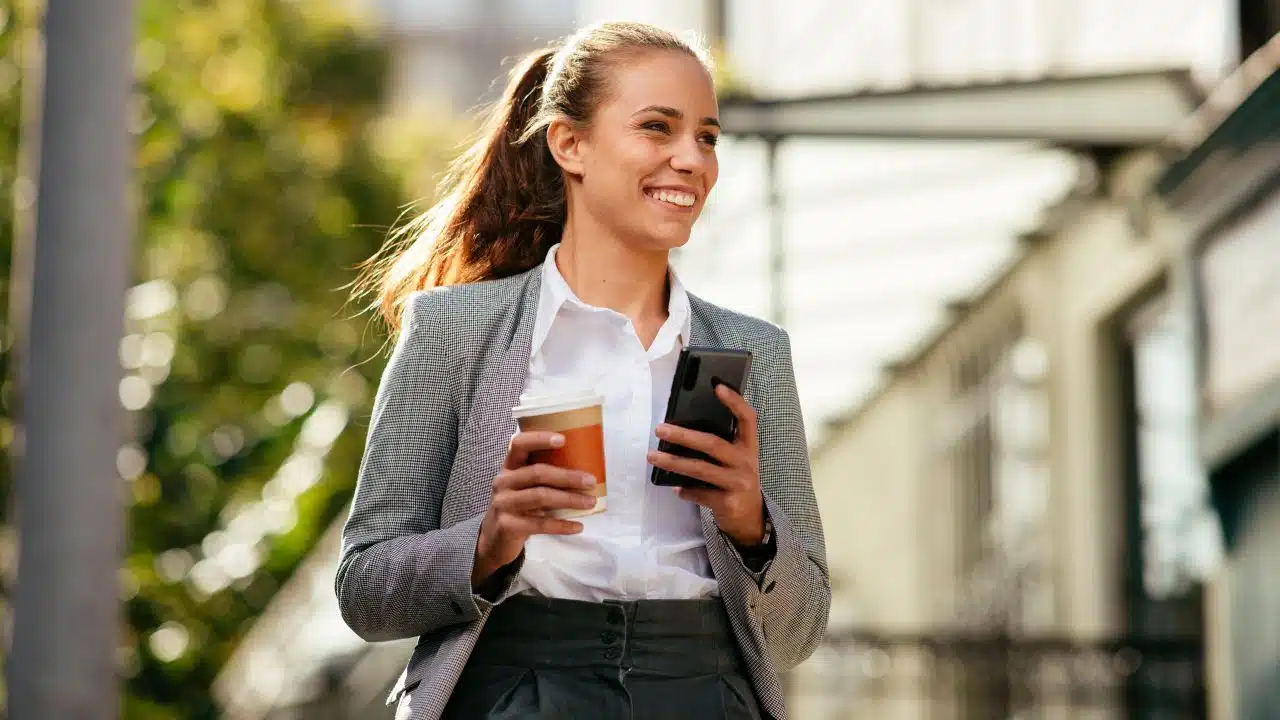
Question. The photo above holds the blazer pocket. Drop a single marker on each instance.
(404, 705)
(421, 659)
(401, 692)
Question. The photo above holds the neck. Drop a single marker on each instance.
(605, 272)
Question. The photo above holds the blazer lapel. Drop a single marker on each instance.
(701, 331)
(482, 446)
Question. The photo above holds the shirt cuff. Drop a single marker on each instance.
(756, 560)
(498, 586)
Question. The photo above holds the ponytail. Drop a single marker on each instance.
(502, 202)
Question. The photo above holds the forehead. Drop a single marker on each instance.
(664, 77)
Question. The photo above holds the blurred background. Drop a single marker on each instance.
(1028, 252)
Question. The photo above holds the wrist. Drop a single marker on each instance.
(481, 570)
(482, 566)
(757, 534)
(752, 537)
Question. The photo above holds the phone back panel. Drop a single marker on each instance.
(693, 402)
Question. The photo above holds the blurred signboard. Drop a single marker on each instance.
(1240, 282)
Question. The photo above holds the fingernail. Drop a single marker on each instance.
(588, 481)
(557, 441)
(663, 431)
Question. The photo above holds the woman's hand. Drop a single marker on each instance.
(522, 494)
(735, 498)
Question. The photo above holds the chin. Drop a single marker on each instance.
(655, 239)
(654, 236)
(667, 241)
(667, 236)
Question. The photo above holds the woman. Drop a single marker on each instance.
(545, 266)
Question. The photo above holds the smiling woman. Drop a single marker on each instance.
(570, 133)
(546, 271)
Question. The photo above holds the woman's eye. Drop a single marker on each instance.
(710, 139)
(656, 126)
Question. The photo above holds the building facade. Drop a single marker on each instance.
(989, 558)
(1225, 192)
(1068, 504)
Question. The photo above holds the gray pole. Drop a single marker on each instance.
(777, 248)
(28, 51)
(68, 493)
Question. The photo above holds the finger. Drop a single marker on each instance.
(723, 451)
(536, 500)
(541, 474)
(696, 469)
(525, 443)
(540, 525)
(555, 526)
(742, 410)
(711, 498)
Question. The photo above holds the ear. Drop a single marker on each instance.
(566, 145)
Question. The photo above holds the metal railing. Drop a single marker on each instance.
(957, 675)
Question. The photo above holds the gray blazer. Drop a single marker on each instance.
(438, 436)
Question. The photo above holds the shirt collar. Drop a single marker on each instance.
(556, 294)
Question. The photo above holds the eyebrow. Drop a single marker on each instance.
(675, 114)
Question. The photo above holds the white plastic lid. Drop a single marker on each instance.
(560, 402)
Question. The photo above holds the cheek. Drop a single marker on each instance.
(641, 160)
(620, 171)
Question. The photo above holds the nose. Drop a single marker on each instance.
(689, 157)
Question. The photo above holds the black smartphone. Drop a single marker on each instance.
(693, 402)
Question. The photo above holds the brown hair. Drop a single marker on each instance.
(502, 202)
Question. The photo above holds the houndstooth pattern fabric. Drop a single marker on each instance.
(438, 435)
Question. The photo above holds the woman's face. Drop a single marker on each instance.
(645, 165)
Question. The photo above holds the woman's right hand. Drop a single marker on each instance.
(522, 494)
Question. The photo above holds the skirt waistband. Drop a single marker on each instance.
(670, 637)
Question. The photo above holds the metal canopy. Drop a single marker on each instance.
(1136, 108)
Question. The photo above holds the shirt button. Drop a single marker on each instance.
(608, 637)
(612, 654)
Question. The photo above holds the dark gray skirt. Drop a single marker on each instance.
(659, 659)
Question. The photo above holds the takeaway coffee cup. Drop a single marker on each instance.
(579, 417)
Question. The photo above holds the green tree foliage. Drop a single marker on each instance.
(266, 171)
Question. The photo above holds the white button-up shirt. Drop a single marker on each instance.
(648, 543)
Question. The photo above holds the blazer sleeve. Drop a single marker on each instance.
(791, 594)
(400, 574)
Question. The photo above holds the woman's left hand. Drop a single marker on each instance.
(735, 498)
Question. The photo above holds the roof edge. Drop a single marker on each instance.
(1057, 216)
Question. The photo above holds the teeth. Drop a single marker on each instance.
(673, 197)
